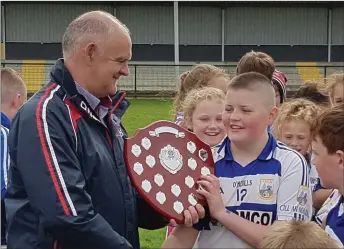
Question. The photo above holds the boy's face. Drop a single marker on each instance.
(246, 115)
(297, 135)
(329, 166)
(206, 122)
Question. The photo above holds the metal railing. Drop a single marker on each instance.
(162, 80)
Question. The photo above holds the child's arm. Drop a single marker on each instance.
(181, 237)
(320, 196)
(248, 231)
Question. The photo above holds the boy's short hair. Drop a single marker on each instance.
(309, 90)
(297, 234)
(257, 62)
(253, 81)
(330, 128)
(11, 82)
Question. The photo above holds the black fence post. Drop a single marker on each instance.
(325, 71)
(135, 82)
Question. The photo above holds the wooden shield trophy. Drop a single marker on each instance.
(164, 162)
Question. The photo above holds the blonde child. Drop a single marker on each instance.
(294, 126)
(334, 87)
(258, 179)
(328, 150)
(202, 110)
(297, 235)
(201, 75)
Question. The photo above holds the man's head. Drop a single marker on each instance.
(328, 148)
(13, 92)
(294, 234)
(97, 48)
(250, 107)
(256, 62)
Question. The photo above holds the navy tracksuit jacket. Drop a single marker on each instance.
(68, 186)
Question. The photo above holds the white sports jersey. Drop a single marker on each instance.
(331, 201)
(273, 187)
(313, 174)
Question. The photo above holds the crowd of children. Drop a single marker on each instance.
(279, 162)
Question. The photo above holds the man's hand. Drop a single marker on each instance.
(191, 215)
(211, 191)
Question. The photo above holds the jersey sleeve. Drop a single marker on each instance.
(4, 161)
(294, 198)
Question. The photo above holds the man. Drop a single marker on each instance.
(69, 186)
(13, 96)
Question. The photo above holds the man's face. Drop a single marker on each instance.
(109, 63)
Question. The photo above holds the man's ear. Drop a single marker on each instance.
(90, 52)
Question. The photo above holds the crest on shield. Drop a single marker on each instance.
(164, 161)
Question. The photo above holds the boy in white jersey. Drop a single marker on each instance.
(258, 180)
(328, 150)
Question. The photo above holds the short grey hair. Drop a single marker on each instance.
(91, 26)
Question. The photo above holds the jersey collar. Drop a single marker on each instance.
(265, 155)
(5, 121)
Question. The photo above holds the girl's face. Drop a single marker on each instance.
(297, 135)
(206, 122)
(338, 93)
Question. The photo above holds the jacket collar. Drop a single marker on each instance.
(61, 76)
(5, 121)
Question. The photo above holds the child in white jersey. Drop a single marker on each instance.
(294, 126)
(328, 150)
(202, 110)
(258, 180)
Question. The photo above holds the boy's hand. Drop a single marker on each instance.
(191, 215)
(211, 191)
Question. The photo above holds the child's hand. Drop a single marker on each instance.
(192, 216)
(211, 191)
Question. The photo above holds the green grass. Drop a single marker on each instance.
(141, 113)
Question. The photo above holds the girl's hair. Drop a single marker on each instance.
(296, 109)
(327, 86)
(198, 77)
(195, 96)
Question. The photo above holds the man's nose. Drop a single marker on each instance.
(125, 70)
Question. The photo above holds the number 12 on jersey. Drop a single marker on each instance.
(241, 193)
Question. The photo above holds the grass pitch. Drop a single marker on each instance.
(141, 113)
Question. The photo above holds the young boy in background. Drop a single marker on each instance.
(328, 158)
